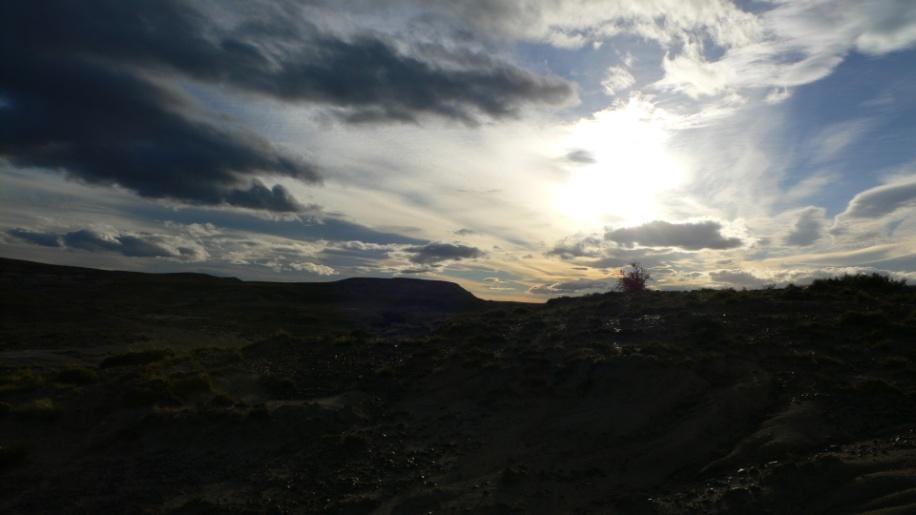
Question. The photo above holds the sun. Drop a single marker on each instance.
(627, 167)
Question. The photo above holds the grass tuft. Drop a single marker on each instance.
(150, 393)
(191, 384)
(77, 375)
(12, 455)
(136, 358)
(874, 283)
(43, 408)
(22, 380)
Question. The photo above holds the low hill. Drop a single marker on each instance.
(792, 400)
(120, 308)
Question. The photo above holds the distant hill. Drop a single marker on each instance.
(133, 302)
(358, 290)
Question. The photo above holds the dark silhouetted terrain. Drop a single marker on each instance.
(183, 393)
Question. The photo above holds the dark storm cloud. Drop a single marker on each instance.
(105, 124)
(259, 196)
(688, 236)
(374, 82)
(82, 92)
(85, 239)
(808, 228)
(36, 238)
(281, 55)
(439, 252)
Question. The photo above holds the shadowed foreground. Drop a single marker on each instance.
(185, 393)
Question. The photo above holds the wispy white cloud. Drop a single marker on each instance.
(808, 186)
(777, 95)
(796, 43)
(832, 140)
(618, 79)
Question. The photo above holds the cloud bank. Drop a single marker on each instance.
(808, 228)
(439, 252)
(129, 245)
(99, 92)
(688, 236)
(882, 200)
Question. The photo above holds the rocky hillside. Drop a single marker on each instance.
(795, 400)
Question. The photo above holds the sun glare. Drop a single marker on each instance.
(624, 169)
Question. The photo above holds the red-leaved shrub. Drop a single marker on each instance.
(633, 279)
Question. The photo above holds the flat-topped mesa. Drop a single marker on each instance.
(181, 290)
(402, 291)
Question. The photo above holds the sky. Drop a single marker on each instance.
(525, 150)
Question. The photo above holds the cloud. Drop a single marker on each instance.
(313, 268)
(808, 227)
(353, 254)
(572, 287)
(688, 236)
(738, 278)
(891, 28)
(592, 251)
(87, 239)
(222, 251)
(580, 156)
(794, 43)
(803, 276)
(100, 92)
(43, 239)
(575, 23)
(808, 186)
(844, 256)
(617, 79)
(439, 252)
(831, 141)
(904, 263)
(242, 251)
(464, 231)
(109, 126)
(125, 244)
(259, 196)
(318, 226)
(380, 84)
(882, 200)
(577, 247)
(144, 245)
(282, 54)
(777, 95)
